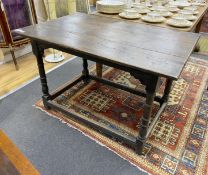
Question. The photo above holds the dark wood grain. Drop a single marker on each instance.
(141, 47)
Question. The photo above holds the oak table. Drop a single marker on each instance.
(147, 53)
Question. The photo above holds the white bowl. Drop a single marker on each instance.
(130, 12)
(165, 13)
(192, 8)
(136, 4)
(178, 17)
(186, 12)
(142, 9)
(162, 11)
(180, 4)
(154, 15)
(159, 8)
(153, 18)
(172, 8)
(147, 4)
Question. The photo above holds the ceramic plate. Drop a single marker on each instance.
(146, 4)
(193, 8)
(143, 11)
(198, 4)
(110, 6)
(181, 4)
(190, 18)
(195, 12)
(123, 15)
(175, 23)
(173, 9)
(158, 8)
(186, 12)
(165, 14)
(152, 20)
(136, 4)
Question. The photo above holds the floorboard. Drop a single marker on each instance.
(10, 79)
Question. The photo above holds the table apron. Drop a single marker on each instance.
(98, 59)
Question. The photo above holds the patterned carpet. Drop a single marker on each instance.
(178, 142)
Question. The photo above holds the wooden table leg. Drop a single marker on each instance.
(38, 52)
(85, 71)
(99, 69)
(167, 90)
(197, 30)
(151, 88)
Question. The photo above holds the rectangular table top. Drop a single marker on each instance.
(141, 47)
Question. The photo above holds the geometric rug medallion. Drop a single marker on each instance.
(178, 143)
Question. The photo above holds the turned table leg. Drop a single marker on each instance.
(197, 30)
(38, 52)
(99, 69)
(167, 90)
(151, 88)
(85, 71)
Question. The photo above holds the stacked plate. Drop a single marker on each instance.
(110, 6)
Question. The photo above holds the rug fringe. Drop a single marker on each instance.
(98, 142)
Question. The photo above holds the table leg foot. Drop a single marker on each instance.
(139, 146)
(39, 52)
(197, 48)
(44, 98)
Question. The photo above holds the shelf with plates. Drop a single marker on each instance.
(185, 14)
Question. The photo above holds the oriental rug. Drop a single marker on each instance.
(178, 143)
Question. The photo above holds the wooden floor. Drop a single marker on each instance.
(10, 79)
(12, 160)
